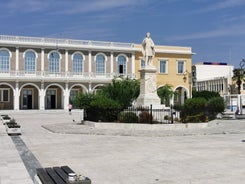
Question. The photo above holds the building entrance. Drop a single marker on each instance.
(27, 99)
(51, 99)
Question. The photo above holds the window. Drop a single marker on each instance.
(54, 62)
(243, 86)
(142, 63)
(100, 64)
(163, 66)
(181, 67)
(4, 61)
(121, 64)
(74, 93)
(77, 63)
(30, 62)
(4, 95)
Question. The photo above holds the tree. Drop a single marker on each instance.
(124, 91)
(238, 77)
(109, 100)
(83, 100)
(165, 93)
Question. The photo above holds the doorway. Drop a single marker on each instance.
(51, 99)
(27, 99)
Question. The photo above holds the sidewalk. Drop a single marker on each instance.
(12, 169)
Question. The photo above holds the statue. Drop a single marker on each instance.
(148, 49)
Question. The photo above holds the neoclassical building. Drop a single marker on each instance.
(46, 73)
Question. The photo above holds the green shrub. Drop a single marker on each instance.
(205, 94)
(193, 107)
(83, 100)
(166, 117)
(127, 117)
(214, 106)
(201, 110)
(102, 109)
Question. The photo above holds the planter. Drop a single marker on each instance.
(13, 130)
(12, 127)
(5, 119)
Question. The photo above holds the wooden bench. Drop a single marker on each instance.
(57, 175)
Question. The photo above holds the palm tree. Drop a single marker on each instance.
(165, 93)
(238, 77)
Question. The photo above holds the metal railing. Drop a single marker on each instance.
(131, 115)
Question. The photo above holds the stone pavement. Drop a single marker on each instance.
(211, 155)
(12, 169)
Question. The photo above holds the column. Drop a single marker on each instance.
(16, 96)
(89, 87)
(42, 60)
(17, 59)
(66, 97)
(89, 62)
(112, 69)
(66, 61)
(133, 66)
(42, 97)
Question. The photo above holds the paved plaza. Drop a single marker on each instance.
(211, 155)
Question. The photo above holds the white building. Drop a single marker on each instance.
(212, 76)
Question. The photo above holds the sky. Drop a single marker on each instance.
(214, 29)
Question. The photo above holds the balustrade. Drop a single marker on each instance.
(61, 42)
(21, 74)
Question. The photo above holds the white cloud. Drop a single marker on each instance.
(67, 6)
(80, 32)
(236, 30)
(224, 4)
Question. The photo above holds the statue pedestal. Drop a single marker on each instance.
(148, 89)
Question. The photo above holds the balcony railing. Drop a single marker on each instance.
(46, 75)
(22, 40)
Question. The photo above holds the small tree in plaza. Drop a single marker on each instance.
(124, 91)
(165, 93)
(109, 100)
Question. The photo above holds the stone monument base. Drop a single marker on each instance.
(148, 90)
(147, 100)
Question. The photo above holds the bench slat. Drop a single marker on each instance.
(54, 176)
(61, 173)
(44, 177)
(67, 169)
